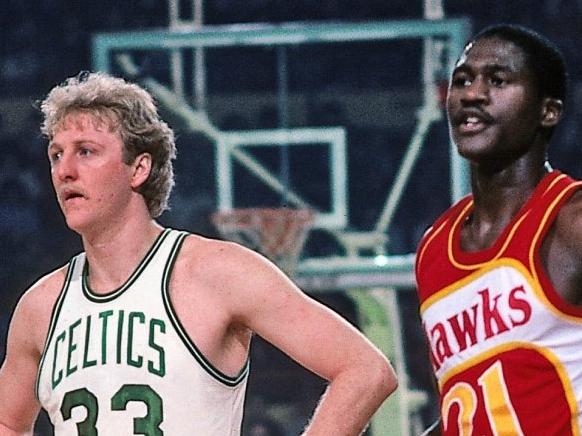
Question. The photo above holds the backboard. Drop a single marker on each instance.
(330, 116)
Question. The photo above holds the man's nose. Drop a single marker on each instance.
(66, 168)
(478, 90)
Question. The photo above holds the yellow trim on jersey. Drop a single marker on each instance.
(491, 265)
(429, 241)
(468, 267)
(485, 268)
(547, 353)
(543, 222)
(456, 224)
(556, 180)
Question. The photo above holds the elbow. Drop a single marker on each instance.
(383, 377)
(389, 379)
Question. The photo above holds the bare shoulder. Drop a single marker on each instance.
(230, 277)
(247, 292)
(26, 337)
(244, 290)
(569, 223)
(45, 290)
(561, 251)
(36, 304)
(216, 261)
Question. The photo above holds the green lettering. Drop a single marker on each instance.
(104, 316)
(147, 425)
(119, 334)
(130, 360)
(72, 347)
(55, 382)
(161, 368)
(88, 363)
(84, 398)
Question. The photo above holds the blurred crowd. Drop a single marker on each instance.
(48, 40)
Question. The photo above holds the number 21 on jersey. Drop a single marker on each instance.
(497, 403)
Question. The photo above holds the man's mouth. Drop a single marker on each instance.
(471, 122)
(69, 195)
(472, 125)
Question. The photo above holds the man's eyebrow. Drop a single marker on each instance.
(499, 67)
(462, 68)
(76, 142)
(492, 67)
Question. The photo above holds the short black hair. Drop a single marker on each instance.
(544, 59)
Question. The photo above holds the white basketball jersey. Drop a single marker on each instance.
(122, 364)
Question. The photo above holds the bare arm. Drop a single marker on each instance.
(18, 405)
(360, 376)
(561, 251)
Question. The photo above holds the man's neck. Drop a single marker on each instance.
(115, 252)
(502, 191)
(498, 197)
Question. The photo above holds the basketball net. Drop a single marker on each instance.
(279, 234)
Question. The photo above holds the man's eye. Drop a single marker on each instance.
(56, 156)
(461, 81)
(497, 81)
(84, 152)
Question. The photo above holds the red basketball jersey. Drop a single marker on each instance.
(505, 348)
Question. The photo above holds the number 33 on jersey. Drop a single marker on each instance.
(122, 364)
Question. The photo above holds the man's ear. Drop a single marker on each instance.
(551, 111)
(142, 167)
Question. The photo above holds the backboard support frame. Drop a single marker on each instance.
(386, 273)
(455, 31)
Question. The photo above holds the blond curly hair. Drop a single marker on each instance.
(129, 110)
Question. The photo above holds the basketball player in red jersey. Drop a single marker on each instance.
(500, 273)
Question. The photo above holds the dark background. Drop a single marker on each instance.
(45, 41)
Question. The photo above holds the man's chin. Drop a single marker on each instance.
(475, 152)
(76, 224)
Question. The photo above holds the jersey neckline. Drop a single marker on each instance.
(494, 251)
(108, 296)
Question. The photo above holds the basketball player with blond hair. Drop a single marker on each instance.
(147, 331)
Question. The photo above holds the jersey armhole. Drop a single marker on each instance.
(54, 316)
(188, 343)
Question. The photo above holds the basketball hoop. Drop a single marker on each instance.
(278, 234)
